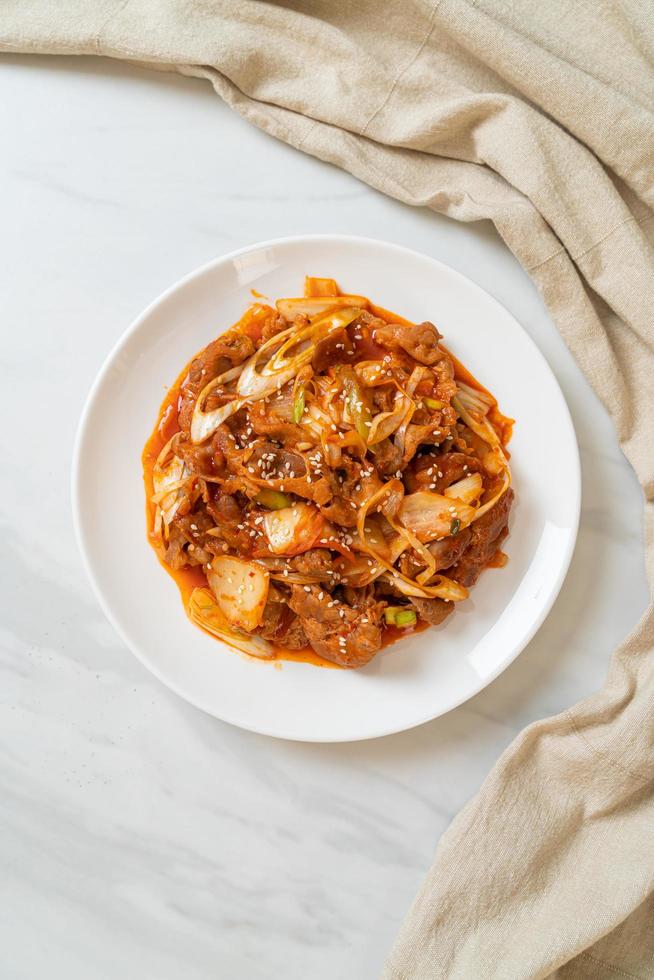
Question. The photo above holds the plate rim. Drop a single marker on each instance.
(82, 434)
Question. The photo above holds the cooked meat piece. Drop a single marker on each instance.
(317, 561)
(266, 422)
(436, 472)
(419, 475)
(368, 320)
(340, 512)
(361, 643)
(241, 484)
(351, 484)
(175, 554)
(275, 325)
(336, 631)
(217, 357)
(280, 625)
(419, 340)
(383, 398)
(201, 459)
(225, 510)
(410, 565)
(445, 384)
(360, 598)
(194, 526)
(388, 457)
(280, 469)
(311, 602)
(487, 534)
(432, 611)
(449, 550)
(274, 614)
(188, 531)
(271, 462)
(418, 435)
(333, 350)
(445, 552)
(227, 514)
(294, 636)
(225, 447)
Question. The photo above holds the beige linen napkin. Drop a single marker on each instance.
(537, 115)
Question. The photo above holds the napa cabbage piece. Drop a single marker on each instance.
(430, 515)
(204, 611)
(293, 530)
(240, 589)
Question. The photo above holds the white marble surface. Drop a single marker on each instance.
(140, 838)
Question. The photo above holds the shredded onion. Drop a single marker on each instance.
(473, 398)
(442, 588)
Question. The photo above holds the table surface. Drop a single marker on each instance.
(141, 838)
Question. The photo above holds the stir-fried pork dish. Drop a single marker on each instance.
(326, 476)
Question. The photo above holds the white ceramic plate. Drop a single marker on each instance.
(416, 679)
